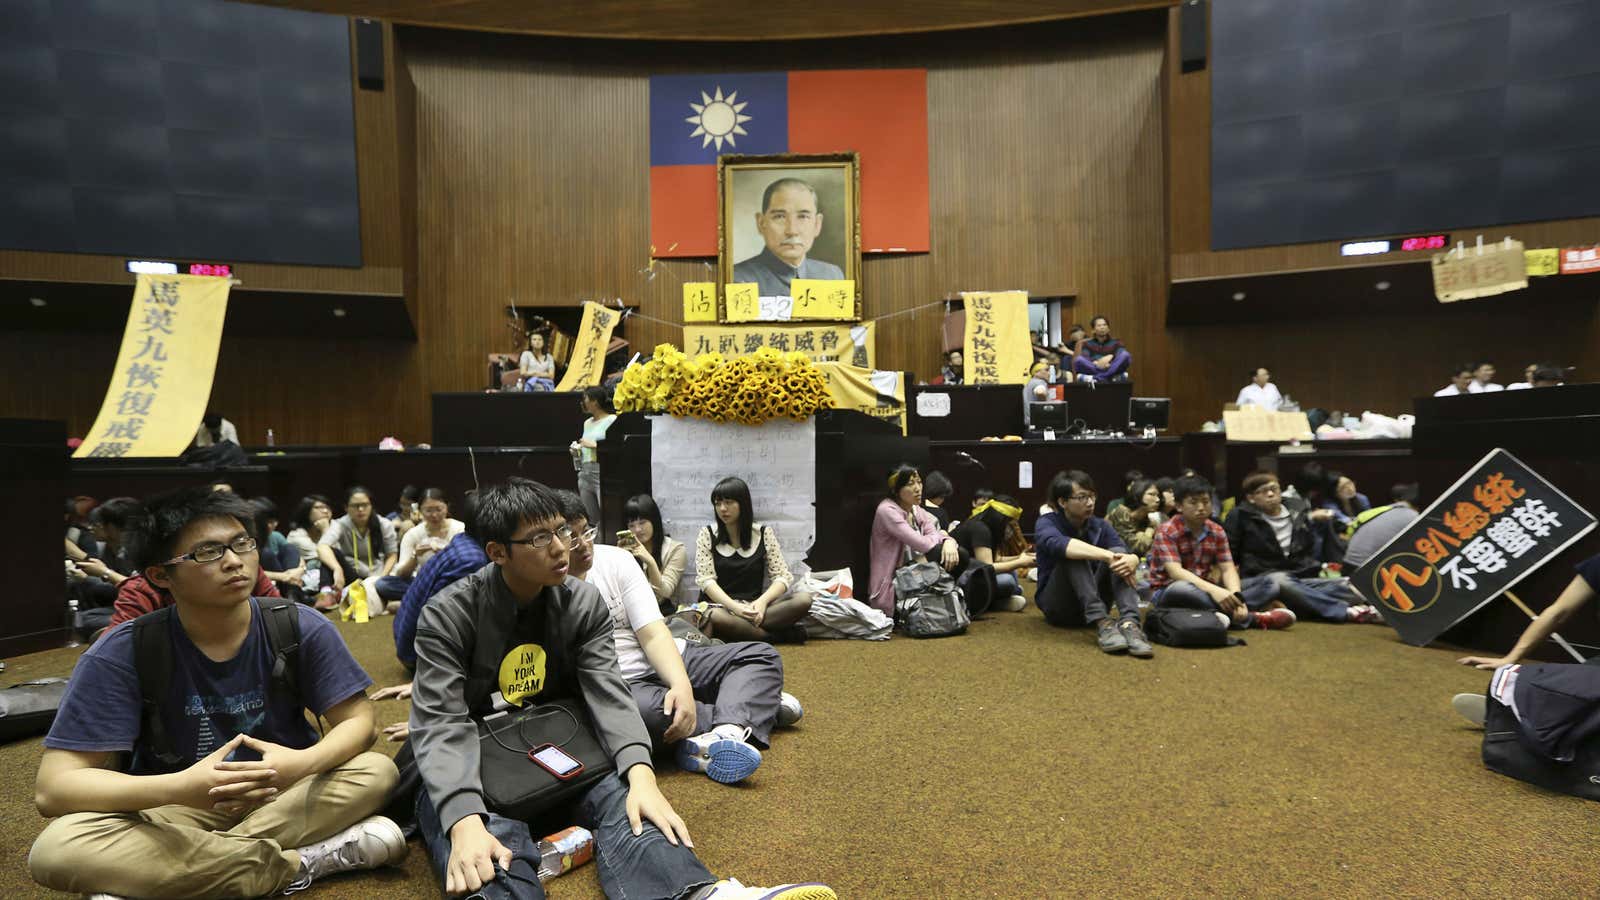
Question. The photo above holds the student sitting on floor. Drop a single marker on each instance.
(525, 597)
(717, 703)
(740, 569)
(1134, 518)
(901, 528)
(1345, 502)
(1084, 569)
(1190, 556)
(359, 546)
(311, 519)
(229, 792)
(1279, 558)
(662, 558)
(280, 560)
(983, 536)
(936, 489)
(431, 535)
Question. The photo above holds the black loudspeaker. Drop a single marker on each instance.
(369, 54)
(1193, 19)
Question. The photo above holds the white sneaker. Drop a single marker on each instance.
(368, 844)
(724, 754)
(731, 889)
(789, 710)
(105, 897)
(1472, 707)
(1014, 603)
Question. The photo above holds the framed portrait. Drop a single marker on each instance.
(788, 216)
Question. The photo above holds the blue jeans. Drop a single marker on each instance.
(638, 868)
(1006, 583)
(1327, 599)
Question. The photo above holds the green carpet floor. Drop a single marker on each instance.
(1018, 761)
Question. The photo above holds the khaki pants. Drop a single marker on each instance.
(179, 851)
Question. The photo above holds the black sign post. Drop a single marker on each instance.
(1488, 531)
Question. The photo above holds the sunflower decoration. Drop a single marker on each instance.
(767, 384)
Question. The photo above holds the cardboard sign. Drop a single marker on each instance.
(699, 301)
(1252, 423)
(162, 381)
(1480, 271)
(851, 344)
(1484, 534)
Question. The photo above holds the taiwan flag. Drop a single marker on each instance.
(881, 114)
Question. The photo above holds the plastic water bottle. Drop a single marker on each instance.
(564, 851)
(271, 440)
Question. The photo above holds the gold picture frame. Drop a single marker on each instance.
(746, 231)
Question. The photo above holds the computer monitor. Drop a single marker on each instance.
(1149, 413)
(1052, 416)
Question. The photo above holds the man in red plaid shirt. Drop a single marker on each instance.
(1189, 550)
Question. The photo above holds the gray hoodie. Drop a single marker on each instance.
(582, 662)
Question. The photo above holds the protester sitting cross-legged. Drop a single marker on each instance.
(1279, 557)
(903, 528)
(717, 703)
(1084, 568)
(739, 567)
(1191, 566)
(983, 536)
(1135, 517)
(228, 792)
(312, 516)
(358, 546)
(662, 558)
(428, 537)
(524, 603)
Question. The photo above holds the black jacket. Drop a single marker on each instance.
(1256, 550)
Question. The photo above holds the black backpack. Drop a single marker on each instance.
(29, 708)
(1505, 752)
(1178, 627)
(152, 656)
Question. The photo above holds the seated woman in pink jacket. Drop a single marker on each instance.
(903, 526)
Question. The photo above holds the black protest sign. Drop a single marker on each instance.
(1488, 531)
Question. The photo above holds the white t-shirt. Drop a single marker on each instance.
(1518, 386)
(1476, 388)
(408, 543)
(1267, 397)
(1450, 390)
(627, 593)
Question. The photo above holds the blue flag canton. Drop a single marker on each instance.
(696, 118)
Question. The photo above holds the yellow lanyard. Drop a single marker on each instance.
(356, 548)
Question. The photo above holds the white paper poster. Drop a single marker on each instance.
(778, 460)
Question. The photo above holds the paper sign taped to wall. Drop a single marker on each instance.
(699, 301)
(1544, 261)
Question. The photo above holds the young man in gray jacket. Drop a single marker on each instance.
(524, 597)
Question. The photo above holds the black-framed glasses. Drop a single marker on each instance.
(209, 553)
(543, 538)
(1085, 496)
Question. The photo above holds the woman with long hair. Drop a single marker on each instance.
(537, 367)
(983, 537)
(740, 570)
(1134, 518)
(597, 403)
(662, 558)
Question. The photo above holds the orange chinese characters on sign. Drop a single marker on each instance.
(1496, 493)
(1406, 583)
(1432, 545)
(1466, 520)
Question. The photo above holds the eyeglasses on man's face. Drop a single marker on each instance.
(1082, 496)
(209, 553)
(542, 539)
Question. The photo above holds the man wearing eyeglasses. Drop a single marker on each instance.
(717, 703)
(1085, 569)
(251, 780)
(524, 604)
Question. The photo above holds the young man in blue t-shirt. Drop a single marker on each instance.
(254, 802)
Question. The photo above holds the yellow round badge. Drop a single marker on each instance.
(522, 673)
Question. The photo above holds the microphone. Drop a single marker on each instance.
(971, 460)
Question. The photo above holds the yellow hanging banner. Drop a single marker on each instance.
(881, 395)
(162, 382)
(699, 301)
(997, 349)
(823, 343)
(587, 364)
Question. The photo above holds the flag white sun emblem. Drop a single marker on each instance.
(717, 118)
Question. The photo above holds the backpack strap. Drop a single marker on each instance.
(152, 656)
(283, 637)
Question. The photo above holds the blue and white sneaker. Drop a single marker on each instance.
(724, 754)
(731, 889)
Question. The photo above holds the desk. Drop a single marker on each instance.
(33, 468)
(996, 410)
(499, 419)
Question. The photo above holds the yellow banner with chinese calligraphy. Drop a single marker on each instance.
(852, 344)
(1480, 271)
(162, 382)
(997, 349)
(813, 300)
(588, 361)
(881, 395)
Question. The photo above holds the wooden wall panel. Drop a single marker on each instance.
(1045, 173)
